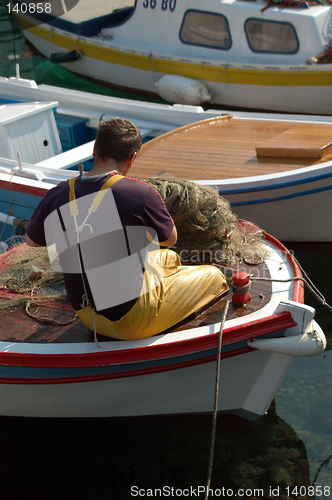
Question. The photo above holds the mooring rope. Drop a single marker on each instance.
(306, 281)
(152, 67)
(314, 290)
(216, 394)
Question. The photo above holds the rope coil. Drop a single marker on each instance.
(241, 289)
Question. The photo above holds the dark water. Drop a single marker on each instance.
(286, 454)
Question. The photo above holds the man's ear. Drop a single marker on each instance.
(131, 159)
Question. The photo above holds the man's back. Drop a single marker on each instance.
(112, 239)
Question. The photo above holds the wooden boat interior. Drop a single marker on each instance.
(18, 326)
(227, 147)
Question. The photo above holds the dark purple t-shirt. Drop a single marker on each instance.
(109, 237)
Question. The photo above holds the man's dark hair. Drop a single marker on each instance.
(117, 138)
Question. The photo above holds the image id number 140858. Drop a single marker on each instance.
(30, 8)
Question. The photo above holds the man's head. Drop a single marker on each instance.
(117, 138)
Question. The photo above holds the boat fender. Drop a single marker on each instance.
(181, 90)
(303, 345)
(64, 57)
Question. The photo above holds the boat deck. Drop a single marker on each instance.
(85, 10)
(18, 326)
(227, 147)
(87, 18)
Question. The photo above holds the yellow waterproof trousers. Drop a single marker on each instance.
(170, 293)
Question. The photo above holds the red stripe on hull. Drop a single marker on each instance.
(134, 373)
(13, 185)
(258, 328)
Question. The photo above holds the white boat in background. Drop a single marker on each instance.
(287, 194)
(239, 54)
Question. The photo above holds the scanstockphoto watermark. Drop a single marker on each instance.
(39, 12)
(196, 492)
(243, 493)
(224, 259)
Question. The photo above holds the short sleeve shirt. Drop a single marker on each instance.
(112, 242)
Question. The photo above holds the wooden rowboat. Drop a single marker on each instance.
(52, 370)
(274, 172)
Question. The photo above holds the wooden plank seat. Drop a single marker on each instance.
(303, 141)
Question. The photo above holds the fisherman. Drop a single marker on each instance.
(107, 229)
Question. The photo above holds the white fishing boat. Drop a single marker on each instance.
(274, 169)
(57, 370)
(242, 54)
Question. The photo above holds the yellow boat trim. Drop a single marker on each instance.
(202, 72)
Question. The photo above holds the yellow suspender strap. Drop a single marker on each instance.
(97, 200)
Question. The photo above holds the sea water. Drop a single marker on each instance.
(286, 454)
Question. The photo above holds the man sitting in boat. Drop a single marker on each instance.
(105, 227)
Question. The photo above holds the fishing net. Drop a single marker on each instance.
(294, 3)
(208, 231)
(28, 280)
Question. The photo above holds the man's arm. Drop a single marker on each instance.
(167, 243)
(171, 240)
(31, 243)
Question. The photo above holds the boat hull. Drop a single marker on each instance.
(301, 211)
(293, 205)
(286, 85)
(301, 90)
(248, 383)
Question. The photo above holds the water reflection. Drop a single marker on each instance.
(116, 458)
(305, 401)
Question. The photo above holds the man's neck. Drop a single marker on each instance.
(104, 167)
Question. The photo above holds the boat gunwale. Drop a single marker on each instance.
(294, 177)
(251, 183)
(183, 360)
(154, 352)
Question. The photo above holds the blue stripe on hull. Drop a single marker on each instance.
(276, 198)
(278, 185)
(25, 373)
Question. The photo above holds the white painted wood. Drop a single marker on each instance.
(29, 129)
